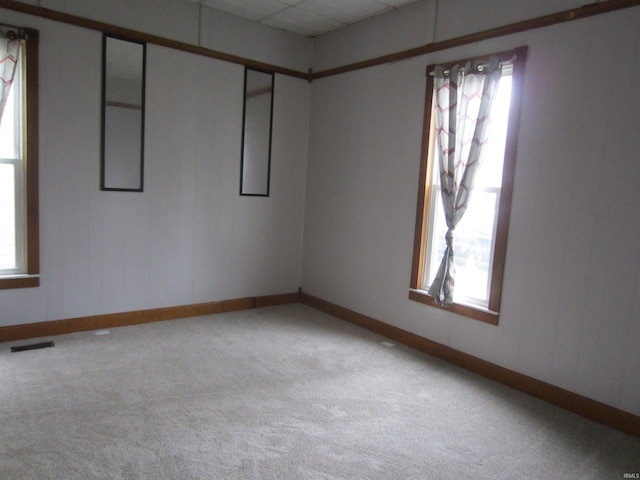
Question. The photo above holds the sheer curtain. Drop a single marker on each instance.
(9, 51)
(463, 97)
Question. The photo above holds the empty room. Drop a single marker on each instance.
(319, 239)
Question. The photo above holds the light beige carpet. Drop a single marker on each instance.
(278, 393)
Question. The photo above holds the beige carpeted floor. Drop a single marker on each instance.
(278, 393)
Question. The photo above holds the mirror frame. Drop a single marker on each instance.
(242, 153)
(103, 162)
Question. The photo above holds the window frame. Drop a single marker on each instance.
(417, 291)
(30, 242)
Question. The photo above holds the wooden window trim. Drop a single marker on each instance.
(417, 292)
(31, 278)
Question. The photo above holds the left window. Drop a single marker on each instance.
(19, 242)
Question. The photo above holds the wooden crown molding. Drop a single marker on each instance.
(585, 11)
(538, 22)
(145, 37)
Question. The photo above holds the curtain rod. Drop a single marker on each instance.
(12, 32)
(478, 66)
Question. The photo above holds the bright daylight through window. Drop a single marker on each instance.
(475, 234)
(18, 159)
(12, 221)
(479, 236)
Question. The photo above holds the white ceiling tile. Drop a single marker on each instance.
(343, 11)
(250, 9)
(305, 17)
(301, 22)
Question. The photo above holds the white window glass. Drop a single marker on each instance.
(12, 208)
(474, 238)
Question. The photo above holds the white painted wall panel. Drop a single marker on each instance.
(570, 297)
(216, 188)
(461, 17)
(288, 170)
(630, 391)
(237, 36)
(362, 162)
(159, 225)
(570, 312)
(69, 162)
(95, 253)
(170, 19)
(424, 22)
(584, 200)
(401, 29)
(112, 258)
(174, 243)
(135, 253)
(193, 24)
(554, 174)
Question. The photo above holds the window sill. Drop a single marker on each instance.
(19, 281)
(465, 310)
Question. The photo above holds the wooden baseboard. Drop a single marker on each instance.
(594, 410)
(586, 407)
(113, 320)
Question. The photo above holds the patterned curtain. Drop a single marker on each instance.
(463, 99)
(9, 51)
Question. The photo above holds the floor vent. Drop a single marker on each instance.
(33, 346)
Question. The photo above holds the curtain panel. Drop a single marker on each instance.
(463, 97)
(9, 51)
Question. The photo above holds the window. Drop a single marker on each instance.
(479, 239)
(19, 252)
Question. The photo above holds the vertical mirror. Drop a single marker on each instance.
(123, 80)
(256, 133)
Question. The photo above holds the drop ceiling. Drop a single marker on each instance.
(305, 17)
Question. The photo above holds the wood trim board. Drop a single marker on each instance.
(585, 11)
(586, 407)
(26, 281)
(605, 414)
(145, 37)
(113, 320)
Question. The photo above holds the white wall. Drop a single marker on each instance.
(571, 304)
(230, 34)
(571, 307)
(189, 237)
(186, 22)
(423, 22)
(376, 36)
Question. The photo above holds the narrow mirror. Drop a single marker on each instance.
(123, 81)
(256, 134)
